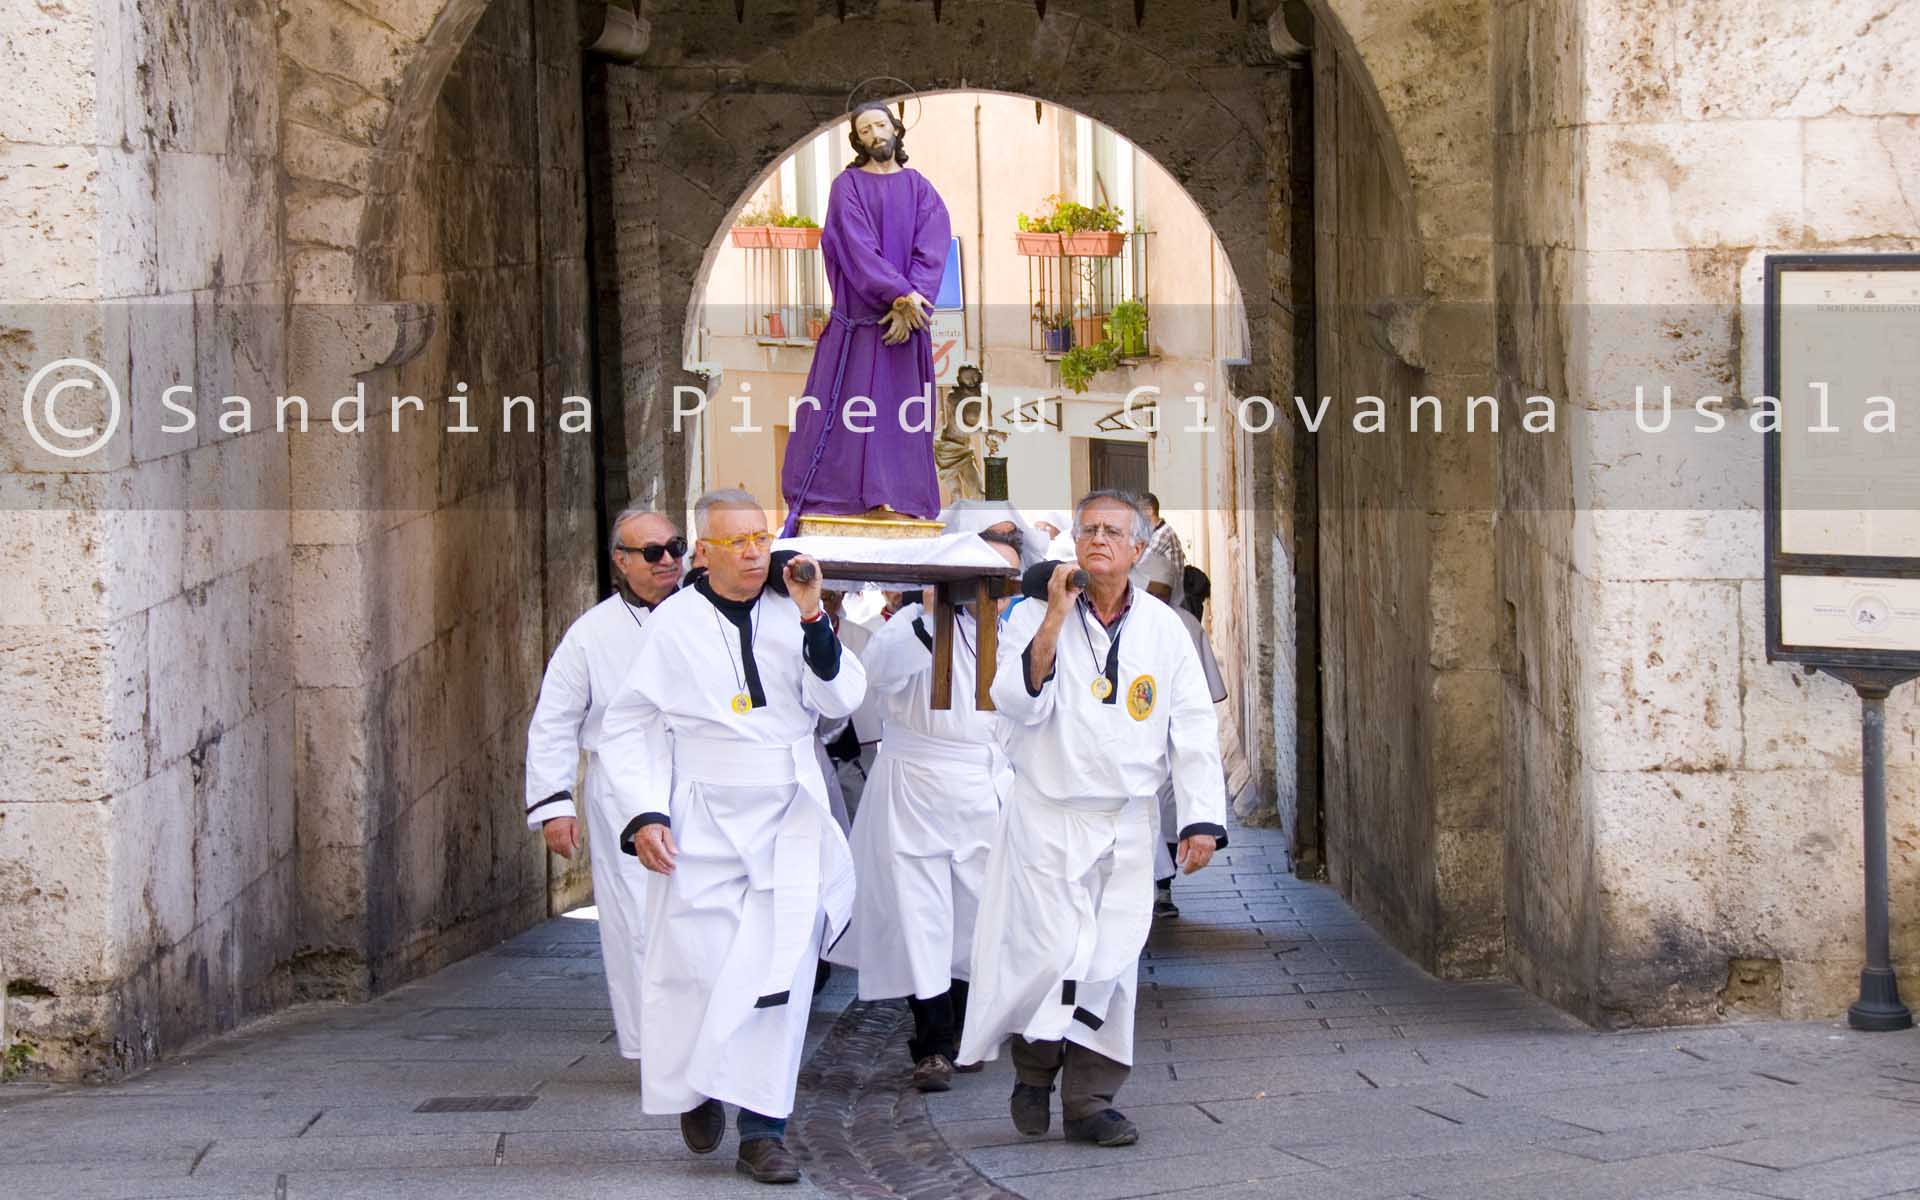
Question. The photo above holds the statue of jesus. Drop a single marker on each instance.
(885, 243)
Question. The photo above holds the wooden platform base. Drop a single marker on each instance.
(942, 588)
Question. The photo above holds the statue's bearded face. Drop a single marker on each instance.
(874, 129)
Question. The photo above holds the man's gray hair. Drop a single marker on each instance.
(719, 498)
(1142, 527)
(628, 514)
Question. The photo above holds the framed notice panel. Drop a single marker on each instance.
(1843, 460)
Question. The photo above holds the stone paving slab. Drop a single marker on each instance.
(1281, 1049)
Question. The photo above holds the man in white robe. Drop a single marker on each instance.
(925, 824)
(1155, 573)
(587, 668)
(1106, 698)
(753, 876)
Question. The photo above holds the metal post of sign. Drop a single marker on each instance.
(1878, 1010)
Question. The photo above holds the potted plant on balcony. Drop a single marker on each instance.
(815, 327)
(796, 233)
(1128, 327)
(1089, 231)
(1080, 364)
(1039, 236)
(1089, 327)
(753, 229)
(1054, 329)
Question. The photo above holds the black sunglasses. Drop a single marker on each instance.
(675, 548)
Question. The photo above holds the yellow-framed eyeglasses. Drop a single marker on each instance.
(760, 539)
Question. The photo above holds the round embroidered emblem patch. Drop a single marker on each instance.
(1140, 697)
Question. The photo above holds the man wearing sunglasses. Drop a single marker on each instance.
(711, 750)
(587, 668)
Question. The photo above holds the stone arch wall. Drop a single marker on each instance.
(434, 222)
(1203, 92)
(1414, 745)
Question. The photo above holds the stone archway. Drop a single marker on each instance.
(1204, 92)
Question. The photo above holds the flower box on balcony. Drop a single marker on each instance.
(795, 237)
(753, 237)
(1094, 244)
(1037, 245)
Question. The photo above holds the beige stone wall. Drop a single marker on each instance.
(464, 554)
(233, 799)
(1723, 792)
(1548, 887)
(1411, 682)
(147, 876)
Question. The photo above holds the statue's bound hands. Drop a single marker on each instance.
(894, 327)
(916, 308)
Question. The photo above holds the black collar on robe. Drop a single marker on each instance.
(634, 599)
(740, 612)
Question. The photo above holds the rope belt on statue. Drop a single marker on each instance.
(829, 415)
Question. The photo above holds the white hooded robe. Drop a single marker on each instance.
(927, 817)
(587, 668)
(1069, 893)
(763, 877)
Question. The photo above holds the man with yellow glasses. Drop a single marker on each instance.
(751, 875)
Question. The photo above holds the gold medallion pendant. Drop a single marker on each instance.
(742, 703)
(1102, 687)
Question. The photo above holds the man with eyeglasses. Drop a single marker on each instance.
(751, 875)
(586, 670)
(1105, 698)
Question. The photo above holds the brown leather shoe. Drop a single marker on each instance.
(702, 1128)
(934, 1073)
(768, 1160)
(969, 1068)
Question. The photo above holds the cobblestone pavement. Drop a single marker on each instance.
(1282, 1050)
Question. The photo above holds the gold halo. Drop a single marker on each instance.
(908, 90)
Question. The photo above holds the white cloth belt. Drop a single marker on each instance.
(732, 764)
(1079, 804)
(915, 746)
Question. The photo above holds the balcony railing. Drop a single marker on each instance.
(1070, 297)
(787, 295)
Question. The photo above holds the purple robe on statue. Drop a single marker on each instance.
(885, 236)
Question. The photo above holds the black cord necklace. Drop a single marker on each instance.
(628, 605)
(1103, 683)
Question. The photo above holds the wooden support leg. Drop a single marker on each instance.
(987, 626)
(942, 646)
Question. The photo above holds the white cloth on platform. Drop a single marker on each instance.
(1069, 890)
(587, 668)
(927, 817)
(946, 550)
(763, 875)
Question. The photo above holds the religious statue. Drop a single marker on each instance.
(953, 449)
(885, 243)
